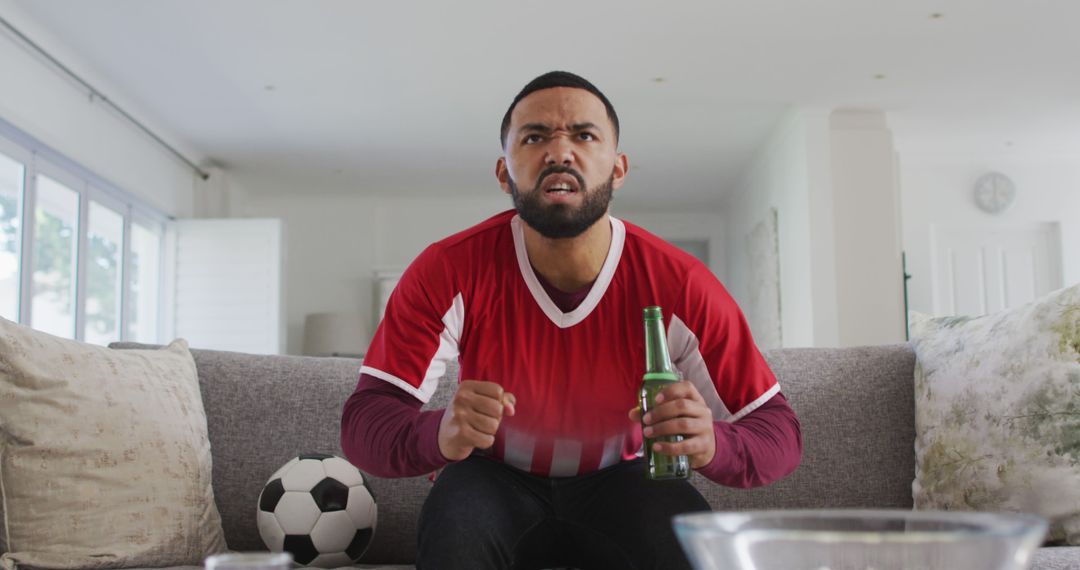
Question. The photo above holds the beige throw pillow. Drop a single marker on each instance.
(104, 456)
(997, 412)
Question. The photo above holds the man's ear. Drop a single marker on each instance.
(619, 171)
(502, 174)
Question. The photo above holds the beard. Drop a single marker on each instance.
(555, 221)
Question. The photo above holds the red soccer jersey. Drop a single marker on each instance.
(475, 297)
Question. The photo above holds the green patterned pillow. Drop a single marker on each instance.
(997, 412)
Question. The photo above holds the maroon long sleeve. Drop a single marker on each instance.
(384, 433)
(760, 448)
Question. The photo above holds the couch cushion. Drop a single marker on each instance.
(1057, 558)
(998, 420)
(104, 457)
(264, 410)
(856, 409)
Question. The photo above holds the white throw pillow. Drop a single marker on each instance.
(104, 456)
(997, 412)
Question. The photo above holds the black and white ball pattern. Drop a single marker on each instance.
(318, 508)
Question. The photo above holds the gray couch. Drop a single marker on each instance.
(856, 406)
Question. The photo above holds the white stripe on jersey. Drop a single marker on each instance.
(453, 321)
(565, 458)
(756, 403)
(395, 381)
(683, 346)
(595, 294)
(518, 449)
(613, 448)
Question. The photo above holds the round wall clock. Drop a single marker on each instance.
(994, 192)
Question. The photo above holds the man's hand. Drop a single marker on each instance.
(681, 411)
(472, 418)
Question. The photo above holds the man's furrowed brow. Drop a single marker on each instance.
(544, 128)
(583, 127)
(536, 127)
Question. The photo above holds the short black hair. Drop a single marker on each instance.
(558, 79)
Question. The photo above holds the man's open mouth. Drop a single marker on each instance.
(560, 184)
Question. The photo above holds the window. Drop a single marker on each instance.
(79, 258)
(11, 194)
(56, 225)
(105, 243)
(145, 281)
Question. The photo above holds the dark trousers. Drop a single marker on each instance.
(482, 514)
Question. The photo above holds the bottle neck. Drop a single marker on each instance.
(657, 358)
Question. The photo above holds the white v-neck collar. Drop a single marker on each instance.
(600, 286)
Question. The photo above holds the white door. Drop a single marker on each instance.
(977, 271)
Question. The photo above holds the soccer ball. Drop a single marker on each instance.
(318, 508)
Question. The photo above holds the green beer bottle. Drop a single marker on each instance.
(659, 373)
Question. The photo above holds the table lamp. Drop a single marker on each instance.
(335, 334)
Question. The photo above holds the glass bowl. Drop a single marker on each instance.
(859, 540)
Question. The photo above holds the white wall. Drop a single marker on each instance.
(55, 110)
(866, 224)
(831, 178)
(335, 243)
(938, 190)
(783, 175)
(697, 225)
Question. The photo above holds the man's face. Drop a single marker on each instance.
(561, 164)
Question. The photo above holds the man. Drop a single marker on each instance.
(542, 306)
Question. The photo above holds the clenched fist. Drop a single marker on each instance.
(472, 418)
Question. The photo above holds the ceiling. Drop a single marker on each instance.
(406, 97)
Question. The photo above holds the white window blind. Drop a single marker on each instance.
(228, 284)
